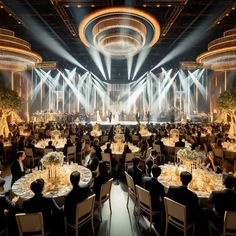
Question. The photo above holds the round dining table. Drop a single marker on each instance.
(56, 187)
(203, 181)
(59, 143)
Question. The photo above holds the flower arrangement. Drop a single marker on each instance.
(56, 134)
(53, 158)
(187, 155)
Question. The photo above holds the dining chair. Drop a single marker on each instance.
(229, 228)
(161, 156)
(129, 159)
(71, 153)
(84, 214)
(47, 150)
(106, 157)
(105, 194)
(131, 189)
(145, 204)
(30, 156)
(30, 224)
(176, 216)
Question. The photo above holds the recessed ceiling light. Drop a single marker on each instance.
(78, 6)
(169, 5)
(158, 5)
(66, 5)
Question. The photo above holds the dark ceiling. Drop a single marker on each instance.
(51, 26)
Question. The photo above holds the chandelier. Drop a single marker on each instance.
(15, 53)
(221, 54)
(119, 32)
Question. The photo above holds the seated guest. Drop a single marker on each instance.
(135, 172)
(159, 142)
(180, 143)
(78, 144)
(143, 148)
(50, 146)
(31, 145)
(211, 164)
(76, 195)
(97, 149)
(102, 177)
(150, 141)
(5, 204)
(68, 144)
(223, 200)
(86, 148)
(93, 162)
(108, 149)
(39, 203)
(126, 150)
(183, 195)
(17, 167)
(21, 143)
(155, 188)
(150, 161)
(114, 163)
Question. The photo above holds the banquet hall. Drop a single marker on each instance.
(117, 117)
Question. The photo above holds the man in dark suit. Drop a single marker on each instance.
(180, 143)
(155, 188)
(5, 204)
(224, 200)
(76, 195)
(50, 146)
(183, 195)
(150, 161)
(135, 172)
(39, 203)
(17, 167)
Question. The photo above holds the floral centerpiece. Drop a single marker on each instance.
(56, 134)
(51, 160)
(187, 155)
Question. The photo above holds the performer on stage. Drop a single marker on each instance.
(148, 115)
(99, 120)
(110, 116)
(137, 117)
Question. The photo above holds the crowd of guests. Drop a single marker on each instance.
(53, 214)
(218, 202)
(145, 175)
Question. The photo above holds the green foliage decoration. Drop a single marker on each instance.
(9, 101)
(227, 101)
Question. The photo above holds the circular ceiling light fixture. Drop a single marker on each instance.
(119, 32)
(16, 53)
(221, 54)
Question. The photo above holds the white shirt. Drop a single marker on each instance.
(21, 165)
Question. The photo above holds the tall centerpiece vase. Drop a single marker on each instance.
(189, 166)
(52, 172)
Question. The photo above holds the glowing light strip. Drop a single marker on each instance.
(34, 55)
(15, 39)
(204, 55)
